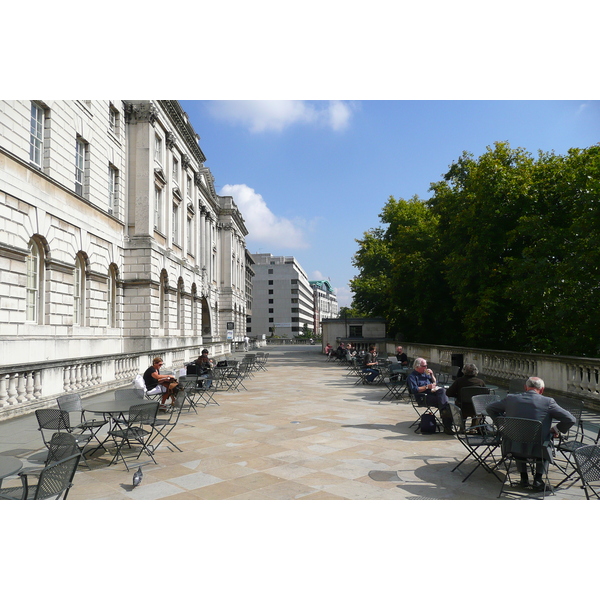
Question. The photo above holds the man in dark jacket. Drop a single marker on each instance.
(532, 404)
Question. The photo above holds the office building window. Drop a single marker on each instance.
(271, 310)
(270, 272)
(113, 120)
(271, 319)
(270, 282)
(270, 291)
(270, 300)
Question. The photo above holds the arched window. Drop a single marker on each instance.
(34, 283)
(79, 291)
(111, 298)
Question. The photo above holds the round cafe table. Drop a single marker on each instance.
(114, 408)
(9, 465)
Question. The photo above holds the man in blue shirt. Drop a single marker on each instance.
(422, 384)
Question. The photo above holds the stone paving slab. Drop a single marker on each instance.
(301, 431)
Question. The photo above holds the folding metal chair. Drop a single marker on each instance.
(526, 435)
(56, 479)
(162, 427)
(478, 441)
(587, 460)
(72, 403)
(56, 420)
(139, 417)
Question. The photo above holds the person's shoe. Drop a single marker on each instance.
(540, 486)
(524, 480)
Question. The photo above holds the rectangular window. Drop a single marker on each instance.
(158, 149)
(270, 282)
(190, 238)
(175, 170)
(294, 300)
(248, 329)
(32, 283)
(270, 300)
(158, 208)
(175, 223)
(113, 120)
(355, 331)
(270, 272)
(80, 156)
(270, 291)
(294, 282)
(36, 139)
(113, 188)
(189, 187)
(271, 319)
(271, 310)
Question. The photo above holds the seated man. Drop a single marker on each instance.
(369, 364)
(422, 384)
(401, 356)
(340, 352)
(532, 404)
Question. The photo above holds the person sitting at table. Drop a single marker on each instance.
(328, 349)
(369, 362)
(401, 356)
(204, 363)
(340, 352)
(350, 352)
(423, 385)
(468, 379)
(159, 384)
(532, 404)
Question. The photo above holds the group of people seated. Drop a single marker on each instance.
(166, 385)
(529, 404)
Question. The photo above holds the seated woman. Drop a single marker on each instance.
(159, 384)
(328, 349)
(204, 363)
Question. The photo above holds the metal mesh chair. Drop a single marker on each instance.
(138, 427)
(572, 440)
(56, 420)
(72, 404)
(479, 441)
(523, 440)
(56, 479)
(421, 404)
(464, 399)
(587, 460)
(162, 427)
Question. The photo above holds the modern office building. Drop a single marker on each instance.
(114, 247)
(282, 303)
(325, 302)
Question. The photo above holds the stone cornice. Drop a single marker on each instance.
(61, 267)
(184, 127)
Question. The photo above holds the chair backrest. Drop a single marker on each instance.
(142, 414)
(516, 386)
(480, 401)
(525, 434)
(57, 478)
(465, 394)
(457, 419)
(53, 418)
(587, 459)
(62, 445)
(129, 394)
(70, 403)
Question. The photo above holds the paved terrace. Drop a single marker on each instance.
(301, 431)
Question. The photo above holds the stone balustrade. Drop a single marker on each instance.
(563, 375)
(25, 389)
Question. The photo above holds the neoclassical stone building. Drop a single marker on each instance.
(114, 247)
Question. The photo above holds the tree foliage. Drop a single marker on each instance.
(505, 254)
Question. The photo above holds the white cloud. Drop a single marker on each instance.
(275, 115)
(344, 296)
(263, 226)
(317, 276)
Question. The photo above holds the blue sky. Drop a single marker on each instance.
(312, 177)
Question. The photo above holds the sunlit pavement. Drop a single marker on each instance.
(301, 431)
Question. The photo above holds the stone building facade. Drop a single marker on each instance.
(114, 246)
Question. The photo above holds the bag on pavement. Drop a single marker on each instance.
(428, 424)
